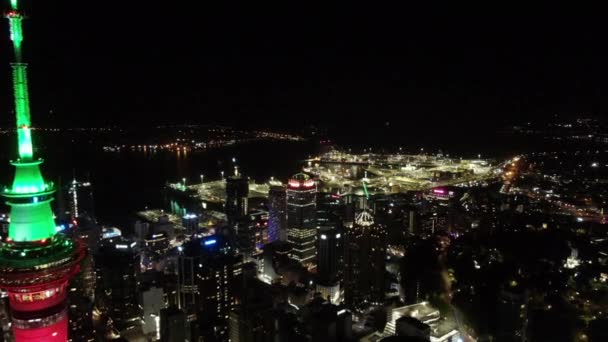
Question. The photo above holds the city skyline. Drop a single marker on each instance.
(230, 175)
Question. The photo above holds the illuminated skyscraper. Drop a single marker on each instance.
(277, 213)
(237, 191)
(301, 217)
(35, 262)
(117, 269)
(329, 246)
(207, 274)
(365, 260)
(81, 200)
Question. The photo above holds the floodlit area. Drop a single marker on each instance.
(215, 191)
(393, 173)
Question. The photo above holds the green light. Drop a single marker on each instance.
(29, 197)
(28, 180)
(31, 222)
(16, 33)
(365, 189)
(22, 100)
(24, 136)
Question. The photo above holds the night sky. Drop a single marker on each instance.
(261, 64)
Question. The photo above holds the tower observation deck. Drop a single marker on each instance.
(35, 262)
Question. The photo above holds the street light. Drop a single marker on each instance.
(202, 178)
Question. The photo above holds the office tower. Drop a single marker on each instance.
(190, 222)
(207, 273)
(81, 295)
(174, 325)
(81, 200)
(117, 269)
(252, 319)
(277, 213)
(365, 260)
(35, 262)
(237, 192)
(328, 257)
(301, 212)
(152, 302)
(251, 234)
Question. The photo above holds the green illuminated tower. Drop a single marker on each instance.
(29, 196)
(35, 262)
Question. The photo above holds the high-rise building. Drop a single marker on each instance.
(191, 223)
(277, 213)
(152, 302)
(81, 200)
(237, 192)
(207, 273)
(365, 260)
(117, 268)
(174, 326)
(251, 234)
(252, 320)
(301, 218)
(328, 258)
(35, 262)
(80, 303)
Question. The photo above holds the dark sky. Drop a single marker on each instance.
(258, 63)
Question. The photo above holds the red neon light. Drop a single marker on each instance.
(38, 300)
(57, 332)
(294, 183)
(439, 191)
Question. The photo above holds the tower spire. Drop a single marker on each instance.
(29, 196)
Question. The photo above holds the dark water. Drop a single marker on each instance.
(125, 182)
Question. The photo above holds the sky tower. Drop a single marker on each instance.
(35, 262)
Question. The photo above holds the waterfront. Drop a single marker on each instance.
(128, 181)
(131, 180)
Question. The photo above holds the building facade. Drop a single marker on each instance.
(277, 213)
(301, 218)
